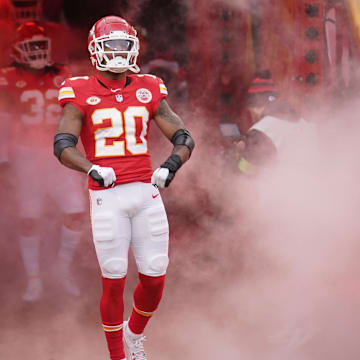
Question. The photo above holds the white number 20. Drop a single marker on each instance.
(121, 123)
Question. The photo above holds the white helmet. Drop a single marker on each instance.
(113, 45)
(32, 47)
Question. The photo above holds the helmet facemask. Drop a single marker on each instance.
(34, 52)
(116, 52)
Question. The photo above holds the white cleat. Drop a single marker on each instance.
(34, 290)
(135, 344)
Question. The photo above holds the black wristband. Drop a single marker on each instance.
(173, 163)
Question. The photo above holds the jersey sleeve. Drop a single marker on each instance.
(159, 90)
(163, 93)
(70, 94)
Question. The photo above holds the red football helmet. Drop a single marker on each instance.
(32, 47)
(113, 45)
(27, 10)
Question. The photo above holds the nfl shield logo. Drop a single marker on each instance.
(119, 97)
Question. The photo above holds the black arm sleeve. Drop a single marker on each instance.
(62, 141)
(183, 137)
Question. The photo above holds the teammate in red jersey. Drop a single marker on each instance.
(30, 89)
(13, 13)
(111, 112)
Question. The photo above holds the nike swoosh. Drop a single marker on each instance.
(156, 195)
(115, 90)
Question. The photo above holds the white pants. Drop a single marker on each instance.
(40, 175)
(130, 215)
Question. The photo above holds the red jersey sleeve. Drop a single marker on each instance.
(158, 89)
(70, 93)
(163, 93)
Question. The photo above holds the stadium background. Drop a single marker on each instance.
(226, 296)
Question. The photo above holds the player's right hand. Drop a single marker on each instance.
(105, 176)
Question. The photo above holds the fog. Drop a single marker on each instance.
(261, 267)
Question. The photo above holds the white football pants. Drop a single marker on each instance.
(130, 215)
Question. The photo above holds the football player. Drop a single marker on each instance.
(112, 112)
(13, 13)
(273, 121)
(30, 88)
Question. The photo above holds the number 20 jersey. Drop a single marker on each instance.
(116, 117)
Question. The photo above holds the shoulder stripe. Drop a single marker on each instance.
(66, 93)
(163, 89)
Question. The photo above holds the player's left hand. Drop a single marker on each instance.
(163, 175)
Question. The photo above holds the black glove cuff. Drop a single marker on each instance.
(173, 163)
(97, 177)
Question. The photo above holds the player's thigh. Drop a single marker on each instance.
(111, 230)
(150, 234)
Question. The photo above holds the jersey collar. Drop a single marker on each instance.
(113, 85)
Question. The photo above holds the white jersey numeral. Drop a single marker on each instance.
(133, 122)
(38, 107)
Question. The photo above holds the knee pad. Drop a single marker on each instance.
(114, 268)
(156, 266)
(113, 262)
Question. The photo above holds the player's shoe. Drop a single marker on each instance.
(135, 344)
(34, 290)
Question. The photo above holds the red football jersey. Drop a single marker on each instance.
(116, 120)
(31, 99)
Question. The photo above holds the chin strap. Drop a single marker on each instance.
(135, 68)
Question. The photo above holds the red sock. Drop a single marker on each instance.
(112, 312)
(147, 297)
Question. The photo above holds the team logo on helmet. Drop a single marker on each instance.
(20, 84)
(93, 100)
(144, 95)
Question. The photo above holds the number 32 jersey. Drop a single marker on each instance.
(116, 117)
(30, 99)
